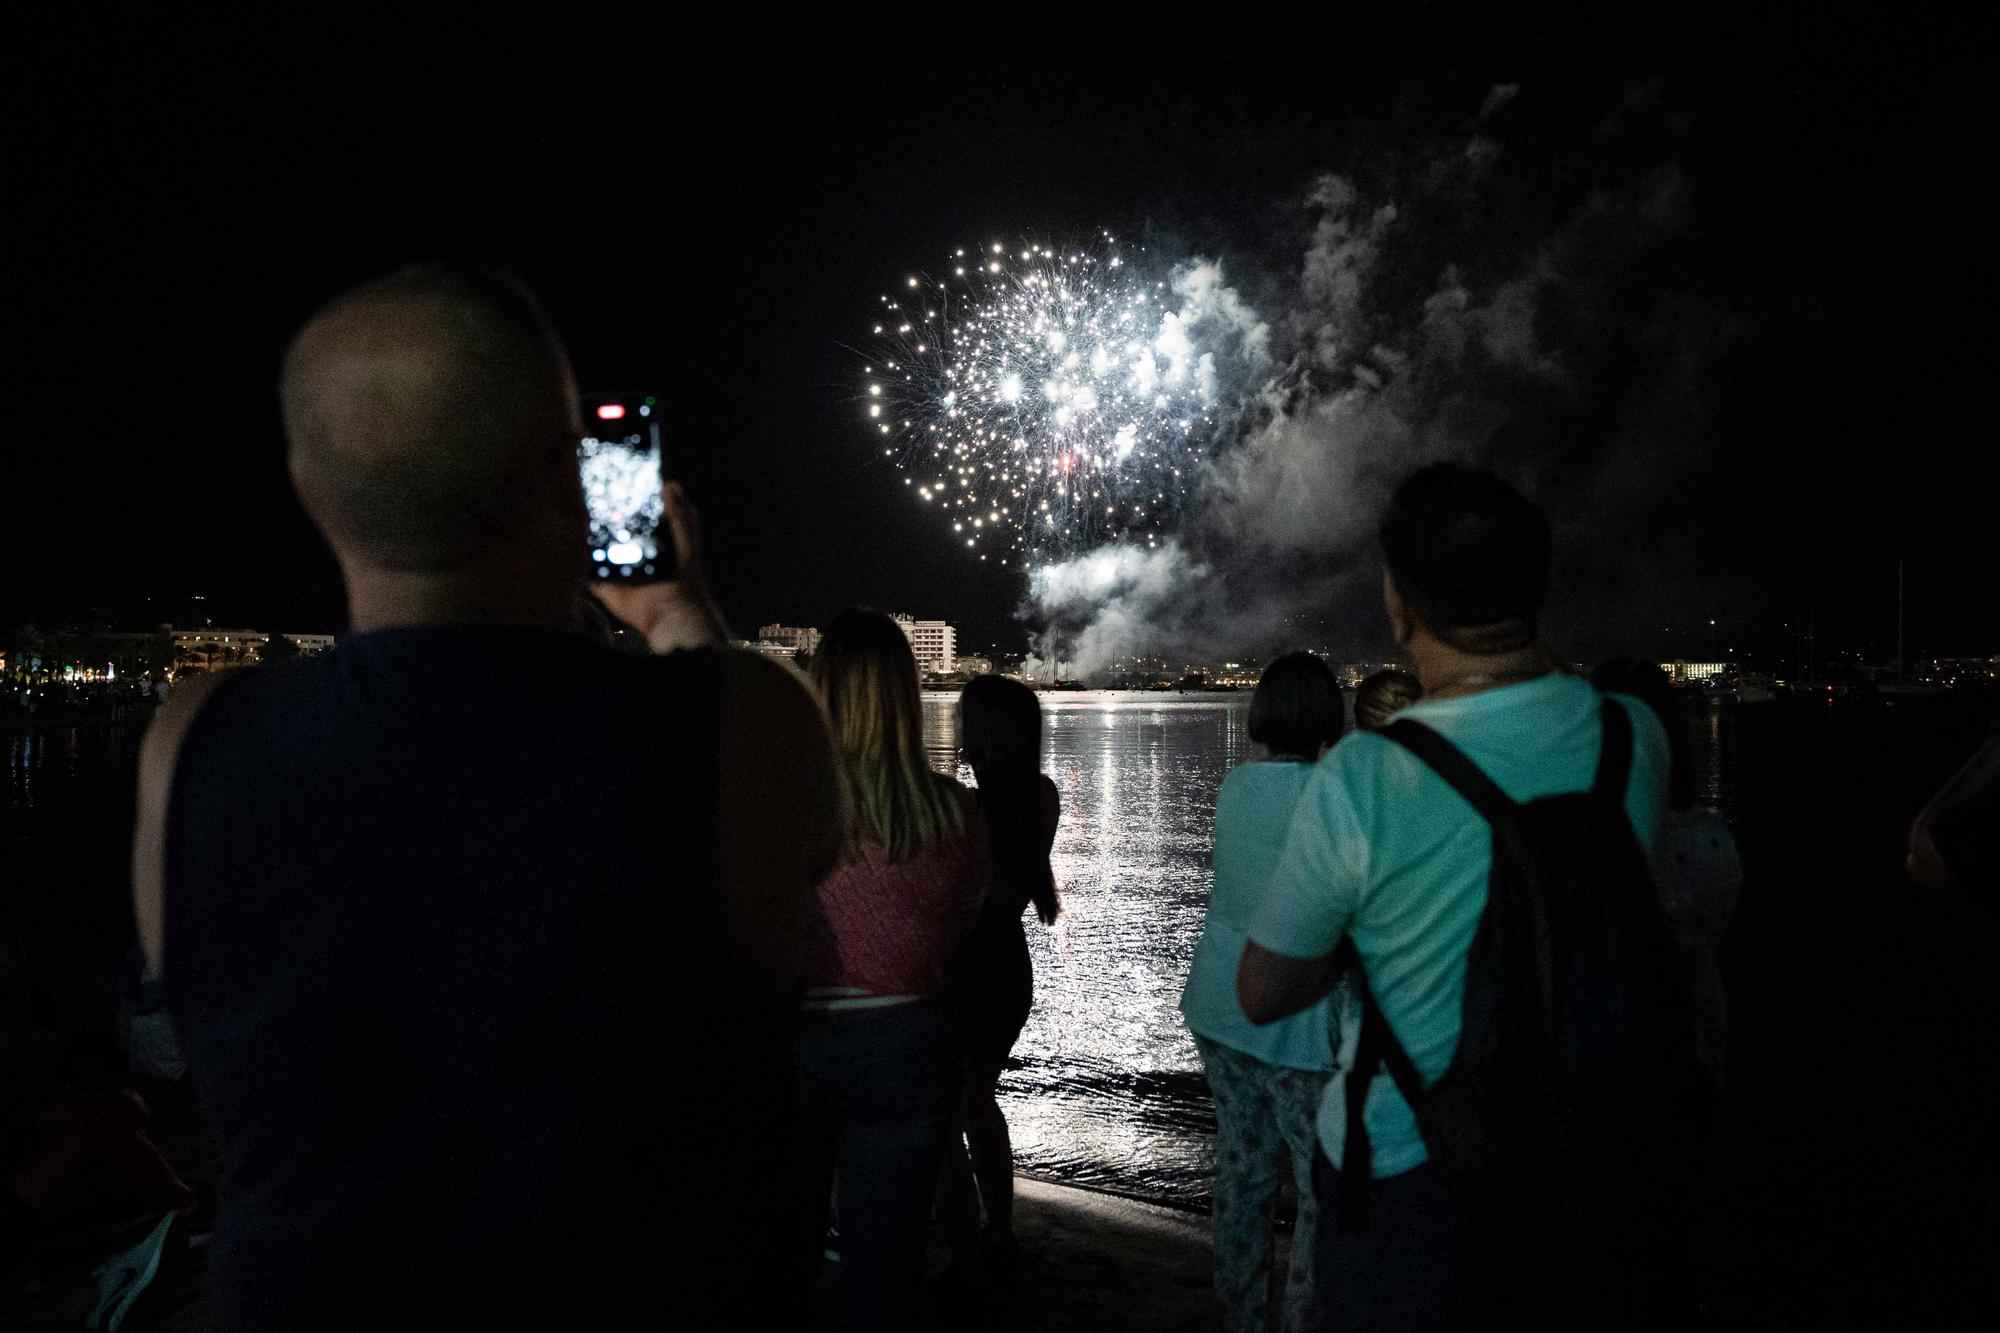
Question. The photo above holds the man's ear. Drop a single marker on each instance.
(1399, 615)
(295, 469)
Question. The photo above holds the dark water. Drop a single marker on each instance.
(66, 828)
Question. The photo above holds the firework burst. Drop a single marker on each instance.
(1044, 400)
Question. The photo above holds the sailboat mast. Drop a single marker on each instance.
(1899, 622)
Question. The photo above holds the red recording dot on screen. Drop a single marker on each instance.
(610, 412)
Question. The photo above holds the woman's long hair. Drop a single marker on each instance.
(1000, 736)
(866, 674)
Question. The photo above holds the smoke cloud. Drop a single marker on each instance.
(1437, 308)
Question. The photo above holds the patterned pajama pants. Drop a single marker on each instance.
(1257, 1107)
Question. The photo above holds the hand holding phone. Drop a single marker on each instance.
(671, 613)
(621, 462)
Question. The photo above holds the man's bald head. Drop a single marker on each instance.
(432, 420)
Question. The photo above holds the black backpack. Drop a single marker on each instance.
(1562, 1128)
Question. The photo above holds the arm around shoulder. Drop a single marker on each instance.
(1271, 986)
(158, 756)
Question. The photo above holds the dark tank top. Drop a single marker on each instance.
(994, 975)
(435, 901)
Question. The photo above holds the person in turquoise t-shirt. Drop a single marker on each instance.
(1382, 851)
(1266, 1081)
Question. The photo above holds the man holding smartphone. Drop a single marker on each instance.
(482, 938)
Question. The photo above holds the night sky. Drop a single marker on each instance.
(709, 215)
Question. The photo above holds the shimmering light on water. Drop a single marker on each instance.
(1106, 1088)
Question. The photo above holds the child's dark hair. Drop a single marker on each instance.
(1000, 725)
(1296, 711)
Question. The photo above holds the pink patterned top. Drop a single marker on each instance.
(887, 931)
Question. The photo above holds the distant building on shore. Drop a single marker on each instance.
(1695, 673)
(219, 643)
(1351, 674)
(802, 641)
(934, 642)
(235, 647)
(784, 652)
(1958, 670)
(974, 665)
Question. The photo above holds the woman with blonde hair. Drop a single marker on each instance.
(877, 1056)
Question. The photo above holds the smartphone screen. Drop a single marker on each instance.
(621, 462)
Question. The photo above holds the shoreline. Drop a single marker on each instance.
(1179, 1208)
(1091, 1262)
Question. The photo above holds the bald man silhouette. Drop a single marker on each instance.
(482, 937)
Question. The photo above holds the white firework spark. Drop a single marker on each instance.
(1045, 400)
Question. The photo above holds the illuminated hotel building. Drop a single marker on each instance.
(222, 646)
(1695, 673)
(934, 643)
(799, 640)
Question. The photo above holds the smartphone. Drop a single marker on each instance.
(623, 465)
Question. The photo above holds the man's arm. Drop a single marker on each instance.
(677, 612)
(1046, 896)
(157, 758)
(1952, 843)
(1271, 986)
(1924, 864)
(782, 812)
(782, 804)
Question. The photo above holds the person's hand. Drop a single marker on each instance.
(1048, 906)
(677, 612)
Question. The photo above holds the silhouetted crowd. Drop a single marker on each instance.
(527, 983)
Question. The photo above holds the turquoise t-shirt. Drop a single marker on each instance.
(1382, 849)
(1253, 813)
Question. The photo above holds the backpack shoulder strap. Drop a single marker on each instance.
(1614, 762)
(1376, 1049)
(1357, 1160)
(1450, 763)
(1402, 1070)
